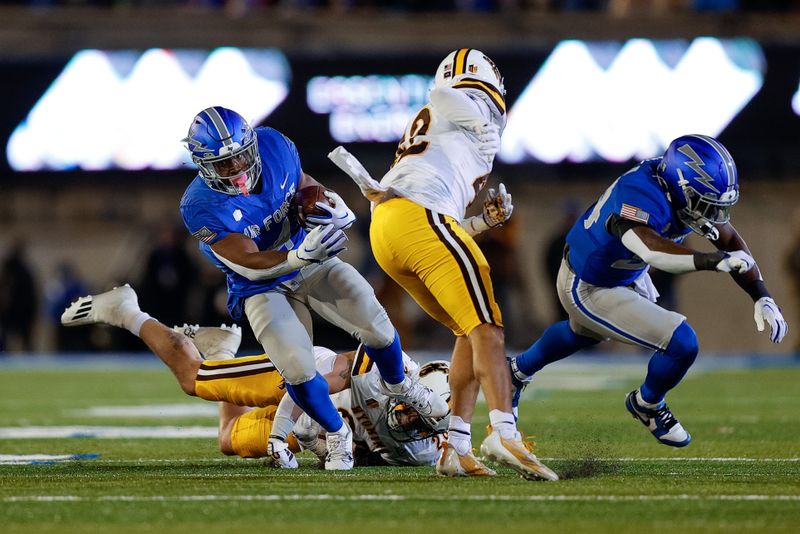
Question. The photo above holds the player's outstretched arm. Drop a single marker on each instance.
(497, 209)
(240, 253)
(765, 308)
(668, 256)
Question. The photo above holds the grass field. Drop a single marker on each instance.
(741, 473)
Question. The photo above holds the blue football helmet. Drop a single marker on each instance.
(225, 149)
(701, 178)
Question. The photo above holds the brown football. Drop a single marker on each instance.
(304, 202)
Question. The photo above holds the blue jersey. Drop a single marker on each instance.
(599, 257)
(262, 216)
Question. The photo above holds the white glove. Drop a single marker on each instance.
(767, 310)
(321, 243)
(281, 456)
(489, 137)
(497, 207)
(339, 215)
(736, 261)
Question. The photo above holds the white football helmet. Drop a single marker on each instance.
(405, 423)
(466, 63)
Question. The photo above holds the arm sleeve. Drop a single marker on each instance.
(291, 264)
(460, 107)
(663, 261)
(669, 262)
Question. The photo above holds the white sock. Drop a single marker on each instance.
(504, 423)
(283, 422)
(459, 435)
(134, 323)
(643, 403)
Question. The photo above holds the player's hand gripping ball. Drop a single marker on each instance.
(304, 203)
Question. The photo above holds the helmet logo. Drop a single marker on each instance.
(494, 67)
(448, 71)
(697, 166)
(230, 148)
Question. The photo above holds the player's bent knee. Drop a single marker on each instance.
(683, 343)
(488, 332)
(296, 377)
(380, 334)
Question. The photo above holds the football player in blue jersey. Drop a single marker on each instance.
(277, 271)
(641, 220)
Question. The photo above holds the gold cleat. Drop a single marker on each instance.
(452, 464)
(516, 454)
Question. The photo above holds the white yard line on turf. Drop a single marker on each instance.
(233, 459)
(108, 432)
(442, 498)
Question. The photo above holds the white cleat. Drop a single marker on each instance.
(340, 450)
(418, 396)
(213, 343)
(282, 457)
(111, 307)
(452, 464)
(516, 454)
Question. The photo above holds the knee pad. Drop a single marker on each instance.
(683, 343)
(380, 334)
(296, 376)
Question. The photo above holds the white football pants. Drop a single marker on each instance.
(281, 318)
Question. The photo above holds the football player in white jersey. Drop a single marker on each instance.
(250, 390)
(420, 237)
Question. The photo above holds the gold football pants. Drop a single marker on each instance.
(437, 262)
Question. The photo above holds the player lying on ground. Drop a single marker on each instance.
(278, 270)
(641, 220)
(250, 390)
(421, 238)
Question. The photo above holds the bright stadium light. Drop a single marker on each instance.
(129, 110)
(620, 101)
(796, 101)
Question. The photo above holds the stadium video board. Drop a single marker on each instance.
(578, 102)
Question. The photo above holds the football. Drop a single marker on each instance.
(304, 202)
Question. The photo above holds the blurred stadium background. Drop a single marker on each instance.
(97, 95)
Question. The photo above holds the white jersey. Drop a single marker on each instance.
(365, 408)
(438, 164)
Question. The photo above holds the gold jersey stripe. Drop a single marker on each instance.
(491, 92)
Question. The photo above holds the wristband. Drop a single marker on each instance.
(707, 261)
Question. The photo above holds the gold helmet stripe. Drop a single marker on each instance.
(493, 94)
(461, 61)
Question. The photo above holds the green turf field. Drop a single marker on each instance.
(741, 473)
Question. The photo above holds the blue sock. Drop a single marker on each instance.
(389, 360)
(667, 367)
(556, 343)
(312, 397)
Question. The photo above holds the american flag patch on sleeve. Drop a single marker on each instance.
(204, 234)
(634, 214)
